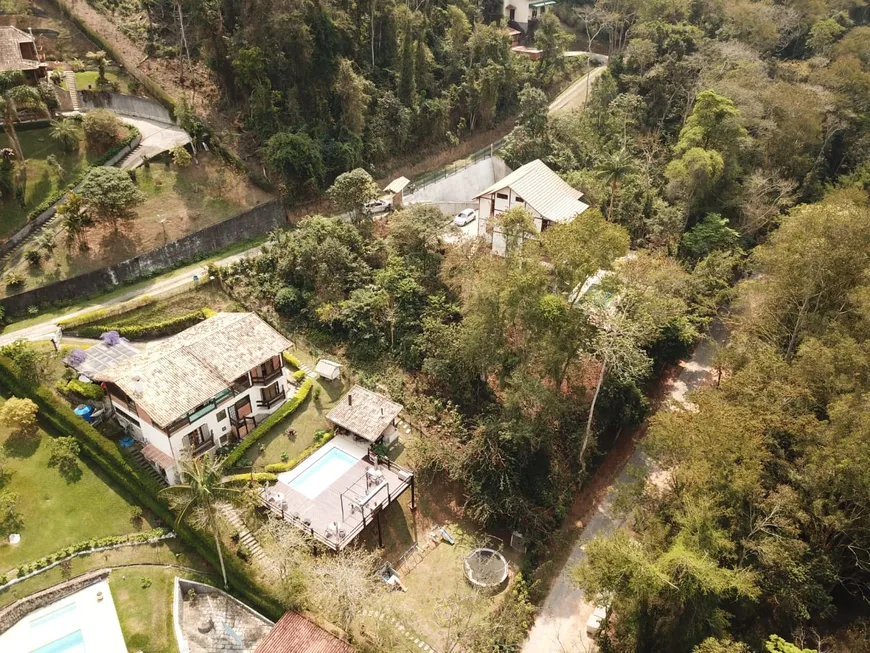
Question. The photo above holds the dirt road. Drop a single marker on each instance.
(574, 97)
(561, 624)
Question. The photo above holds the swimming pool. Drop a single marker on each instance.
(72, 643)
(320, 474)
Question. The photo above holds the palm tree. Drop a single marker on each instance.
(76, 219)
(197, 497)
(14, 96)
(100, 60)
(65, 132)
(613, 169)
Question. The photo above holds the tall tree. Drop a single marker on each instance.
(614, 169)
(198, 496)
(15, 96)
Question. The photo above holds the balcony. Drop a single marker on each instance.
(277, 399)
(203, 447)
(240, 384)
(256, 379)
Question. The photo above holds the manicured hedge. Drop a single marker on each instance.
(58, 419)
(244, 479)
(87, 390)
(102, 313)
(298, 375)
(319, 441)
(292, 360)
(88, 545)
(264, 427)
(152, 330)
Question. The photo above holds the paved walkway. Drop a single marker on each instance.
(157, 137)
(575, 96)
(561, 624)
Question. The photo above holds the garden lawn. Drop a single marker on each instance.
(307, 419)
(143, 599)
(55, 511)
(42, 181)
(208, 295)
(179, 201)
(88, 78)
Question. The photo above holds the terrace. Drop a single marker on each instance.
(337, 491)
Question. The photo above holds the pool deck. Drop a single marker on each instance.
(333, 504)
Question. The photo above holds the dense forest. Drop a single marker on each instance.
(324, 87)
(727, 143)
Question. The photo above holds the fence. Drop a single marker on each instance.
(255, 222)
(429, 178)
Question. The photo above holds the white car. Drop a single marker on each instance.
(465, 217)
(593, 624)
(373, 207)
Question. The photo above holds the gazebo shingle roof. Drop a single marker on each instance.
(364, 413)
(11, 39)
(184, 371)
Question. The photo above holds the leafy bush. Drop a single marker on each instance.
(101, 128)
(319, 440)
(181, 157)
(291, 360)
(167, 327)
(86, 390)
(33, 256)
(243, 479)
(268, 423)
(298, 376)
(13, 279)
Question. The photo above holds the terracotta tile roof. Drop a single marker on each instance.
(11, 39)
(152, 453)
(295, 634)
(543, 190)
(364, 413)
(182, 372)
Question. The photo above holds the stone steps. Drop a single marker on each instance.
(133, 159)
(247, 540)
(309, 373)
(413, 639)
(71, 86)
(141, 461)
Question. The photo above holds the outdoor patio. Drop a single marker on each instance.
(340, 511)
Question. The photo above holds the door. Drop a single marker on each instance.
(238, 412)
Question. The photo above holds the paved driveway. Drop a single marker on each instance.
(157, 137)
(561, 624)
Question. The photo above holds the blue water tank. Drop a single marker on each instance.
(85, 411)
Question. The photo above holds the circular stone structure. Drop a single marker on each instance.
(486, 569)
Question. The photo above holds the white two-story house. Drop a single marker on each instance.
(199, 389)
(544, 194)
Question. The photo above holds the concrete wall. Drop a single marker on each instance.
(255, 222)
(464, 184)
(125, 105)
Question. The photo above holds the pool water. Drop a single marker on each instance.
(72, 643)
(322, 473)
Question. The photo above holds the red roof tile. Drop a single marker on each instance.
(295, 634)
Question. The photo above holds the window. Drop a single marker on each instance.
(270, 392)
(520, 199)
(512, 13)
(534, 12)
(501, 196)
(222, 415)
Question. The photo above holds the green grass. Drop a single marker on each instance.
(167, 552)
(146, 612)
(307, 419)
(42, 181)
(87, 78)
(206, 296)
(57, 511)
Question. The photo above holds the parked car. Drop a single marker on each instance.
(465, 217)
(593, 624)
(373, 207)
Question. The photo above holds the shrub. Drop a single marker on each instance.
(13, 279)
(167, 327)
(243, 479)
(288, 300)
(181, 157)
(299, 376)
(19, 415)
(291, 360)
(102, 128)
(268, 423)
(320, 439)
(87, 390)
(33, 256)
(103, 313)
(136, 514)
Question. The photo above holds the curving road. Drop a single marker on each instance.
(575, 96)
(561, 624)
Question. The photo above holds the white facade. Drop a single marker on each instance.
(522, 11)
(212, 429)
(499, 202)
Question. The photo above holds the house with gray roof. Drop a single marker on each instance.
(18, 51)
(544, 194)
(366, 415)
(205, 387)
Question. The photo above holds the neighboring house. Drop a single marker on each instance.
(366, 415)
(200, 389)
(18, 51)
(522, 14)
(295, 633)
(546, 196)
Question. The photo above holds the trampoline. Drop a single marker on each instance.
(486, 569)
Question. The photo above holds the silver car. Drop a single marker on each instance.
(374, 207)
